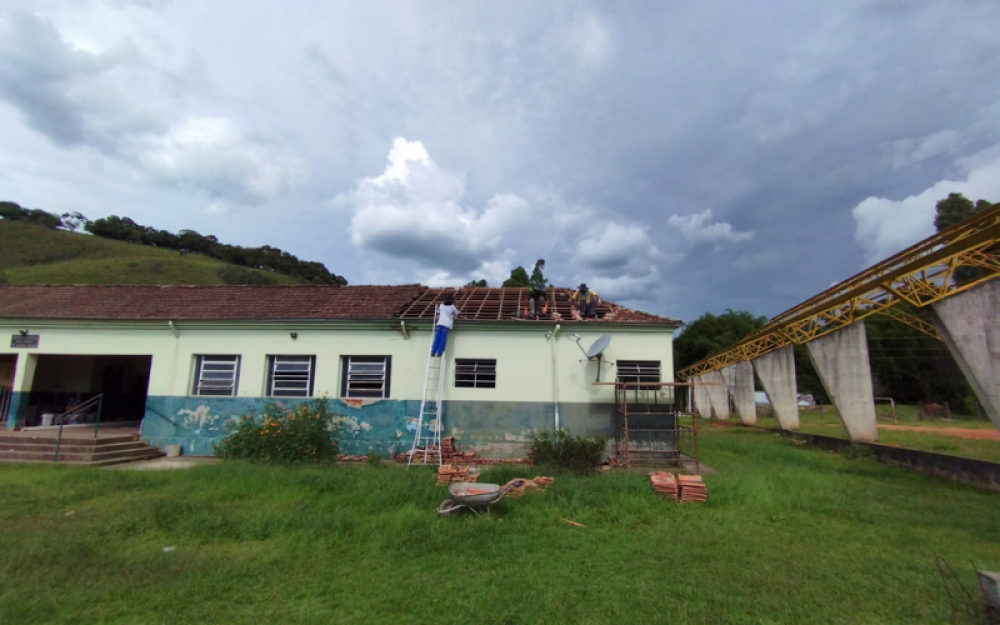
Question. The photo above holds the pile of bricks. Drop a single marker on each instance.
(540, 483)
(665, 484)
(692, 488)
(448, 473)
(349, 459)
(451, 454)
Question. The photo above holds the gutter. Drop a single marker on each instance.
(555, 374)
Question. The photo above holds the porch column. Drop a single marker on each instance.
(841, 360)
(969, 323)
(739, 383)
(777, 374)
(24, 374)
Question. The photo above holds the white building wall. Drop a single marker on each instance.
(524, 354)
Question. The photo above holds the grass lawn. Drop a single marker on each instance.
(828, 424)
(790, 535)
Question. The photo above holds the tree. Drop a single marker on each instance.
(518, 278)
(952, 210)
(949, 212)
(479, 283)
(710, 334)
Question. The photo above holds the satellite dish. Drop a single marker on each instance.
(598, 347)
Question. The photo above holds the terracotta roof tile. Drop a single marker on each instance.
(409, 301)
(205, 302)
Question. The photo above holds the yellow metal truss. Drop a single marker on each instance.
(919, 275)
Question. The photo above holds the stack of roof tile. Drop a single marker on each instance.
(692, 488)
(664, 484)
(351, 459)
(540, 483)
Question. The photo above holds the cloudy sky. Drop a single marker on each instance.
(679, 157)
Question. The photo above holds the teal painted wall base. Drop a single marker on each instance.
(14, 417)
(493, 429)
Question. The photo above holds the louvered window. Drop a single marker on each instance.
(366, 377)
(217, 375)
(638, 370)
(475, 373)
(290, 376)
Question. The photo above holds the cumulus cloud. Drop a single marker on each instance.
(212, 154)
(906, 152)
(615, 248)
(884, 226)
(699, 228)
(413, 211)
(117, 102)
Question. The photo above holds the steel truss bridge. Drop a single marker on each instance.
(919, 275)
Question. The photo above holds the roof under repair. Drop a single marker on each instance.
(259, 303)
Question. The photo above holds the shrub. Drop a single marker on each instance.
(575, 453)
(374, 460)
(280, 435)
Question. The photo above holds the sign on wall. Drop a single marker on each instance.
(23, 340)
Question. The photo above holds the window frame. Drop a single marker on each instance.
(638, 375)
(272, 374)
(199, 370)
(475, 381)
(345, 381)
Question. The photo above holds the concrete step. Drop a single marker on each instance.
(77, 448)
(76, 439)
(88, 463)
(111, 451)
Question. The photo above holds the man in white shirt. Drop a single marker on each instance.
(446, 314)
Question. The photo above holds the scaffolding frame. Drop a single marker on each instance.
(655, 423)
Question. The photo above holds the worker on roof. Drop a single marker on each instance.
(586, 300)
(446, 315)
(536, 301)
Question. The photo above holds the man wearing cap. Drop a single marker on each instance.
(586, 300)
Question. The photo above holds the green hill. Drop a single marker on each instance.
(32, 254)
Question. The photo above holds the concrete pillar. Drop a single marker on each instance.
(777, 374)
(24, 375)
(841, 360)
(970, 326)
(739, 383)
(701, 401)
(718, 396)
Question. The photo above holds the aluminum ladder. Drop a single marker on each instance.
(427, 438)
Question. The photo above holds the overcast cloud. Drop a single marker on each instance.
(678, 157)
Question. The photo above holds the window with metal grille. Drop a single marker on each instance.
(475, 373)
(366, 377)
(217, 375)
(638, 370)
(290, 376)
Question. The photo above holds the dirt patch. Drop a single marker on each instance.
(984, 435)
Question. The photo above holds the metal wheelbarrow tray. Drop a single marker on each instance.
(472, 495)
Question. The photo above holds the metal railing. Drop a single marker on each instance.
(80, 409)
(160, 415)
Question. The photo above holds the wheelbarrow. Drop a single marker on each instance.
(472, 495)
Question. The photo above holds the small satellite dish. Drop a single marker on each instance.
(598, 347)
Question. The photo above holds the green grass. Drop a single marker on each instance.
(30, 254)
(790, 535)
(828, 424)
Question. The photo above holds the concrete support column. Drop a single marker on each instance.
(777, 374)
(24, 374)
(718, 396)
(970, 326)
(739, 383)
(841, 360)
(702, 405)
